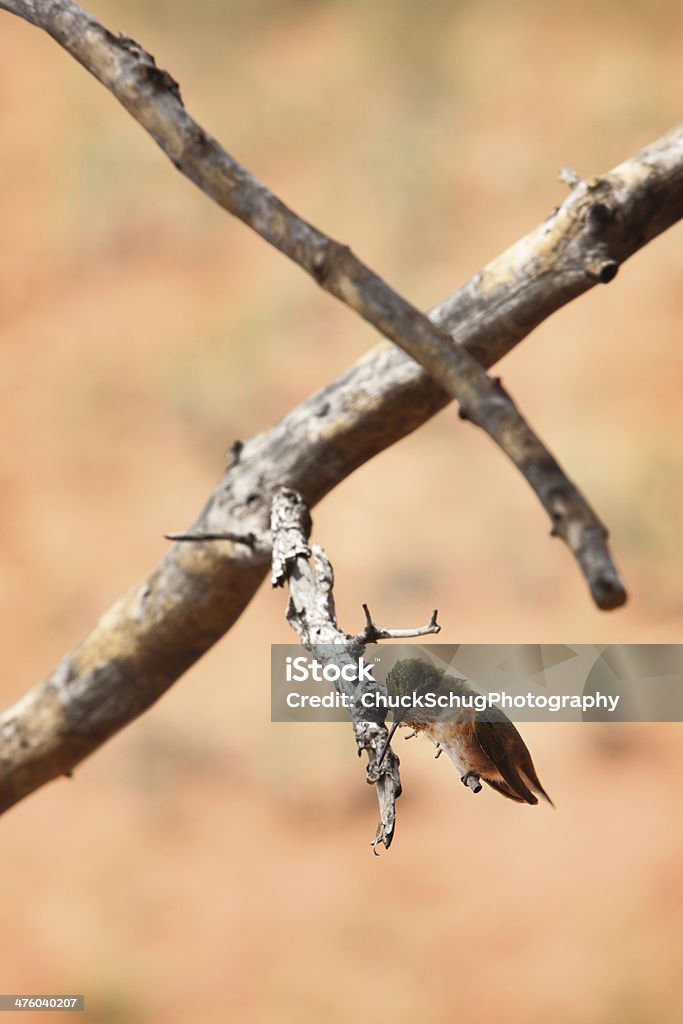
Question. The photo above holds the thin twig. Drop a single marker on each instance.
(237, 538)
(153, 98)
(372, 633)
(569, 176)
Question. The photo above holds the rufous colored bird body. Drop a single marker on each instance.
(481, 744)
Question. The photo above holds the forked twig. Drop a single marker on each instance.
(308, 573)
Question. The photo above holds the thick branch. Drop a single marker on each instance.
(153, 98)
(161, 627)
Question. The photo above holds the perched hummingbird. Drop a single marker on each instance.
(482, 744)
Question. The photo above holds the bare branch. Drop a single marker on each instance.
(311, 614)
(153, 98)
(248, 539)
(160, 628)
(372, 633)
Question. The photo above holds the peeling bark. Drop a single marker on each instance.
(311, 614)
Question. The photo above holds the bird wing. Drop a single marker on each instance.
(501, 742)
(503, 789)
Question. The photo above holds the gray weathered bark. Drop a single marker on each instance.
(312, 615)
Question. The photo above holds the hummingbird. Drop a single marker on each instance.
(483, 745)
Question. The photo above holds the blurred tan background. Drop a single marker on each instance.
(208, 865)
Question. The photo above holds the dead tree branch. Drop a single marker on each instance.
(153, 98)
(311, 613)
(161, 627)
(372, 632)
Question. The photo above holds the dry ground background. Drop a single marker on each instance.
(208, 865)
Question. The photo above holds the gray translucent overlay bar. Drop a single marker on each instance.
(529, 682)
